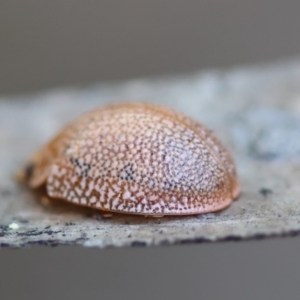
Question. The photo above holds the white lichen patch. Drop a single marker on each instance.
(13, 226)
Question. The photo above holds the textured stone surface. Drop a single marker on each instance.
(254, 111)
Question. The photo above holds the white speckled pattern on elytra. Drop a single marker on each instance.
(139, 159)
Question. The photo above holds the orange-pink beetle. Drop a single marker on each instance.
(136, 158)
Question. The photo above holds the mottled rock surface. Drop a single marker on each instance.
(255, 111)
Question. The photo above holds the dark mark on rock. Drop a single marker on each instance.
(29, 169)
(259, 236)
(5, 192)
(4, 227)
(232, 238)
(138, 244)
(268, 156)
(23, 221)
(165, 243)
(265, 192)
(34, 232)
(69, 224)
(97, 215)
(192, 241)
(43, 243)
(4, 230)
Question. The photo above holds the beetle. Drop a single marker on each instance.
(136, 158)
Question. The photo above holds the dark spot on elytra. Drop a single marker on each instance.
(129, 172)
(74, 161)
(168, 185)
(84, 167)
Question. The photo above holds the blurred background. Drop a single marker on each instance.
(45, 44)
(48, 44)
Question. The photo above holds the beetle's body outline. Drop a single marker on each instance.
(136, 158)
